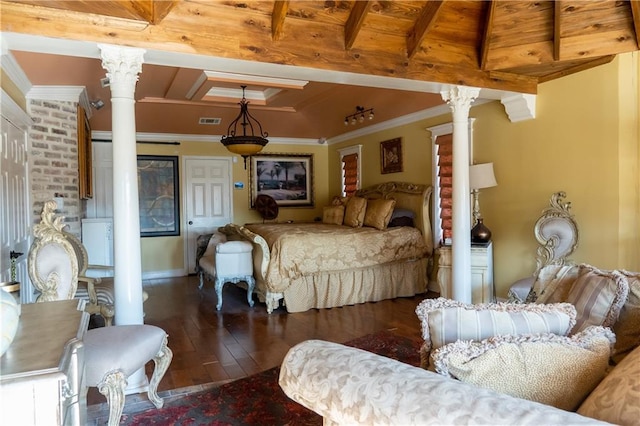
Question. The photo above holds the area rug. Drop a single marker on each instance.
(258, 399)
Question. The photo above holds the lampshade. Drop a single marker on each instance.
(481, 176)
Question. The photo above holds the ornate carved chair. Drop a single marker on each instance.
(557, 234)
(112, 354)
(54, 268)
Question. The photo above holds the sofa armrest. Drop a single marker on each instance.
(351, 386)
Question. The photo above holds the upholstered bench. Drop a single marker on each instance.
(227, 261)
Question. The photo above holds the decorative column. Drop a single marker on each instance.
(459, 99)
(123, 64)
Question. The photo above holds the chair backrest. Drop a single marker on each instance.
(556, 232)
(80, 251)
(52, 261)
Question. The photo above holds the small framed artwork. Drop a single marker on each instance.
(85, 183)
(391, 156)
(288, 178)
(158, 192)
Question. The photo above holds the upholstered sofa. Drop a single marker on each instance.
(556, 362)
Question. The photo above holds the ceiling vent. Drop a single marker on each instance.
(210, 121)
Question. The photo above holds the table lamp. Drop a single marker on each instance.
(480, 176)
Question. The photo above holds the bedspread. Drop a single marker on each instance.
(307, 248)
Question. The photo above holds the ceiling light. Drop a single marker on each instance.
(244, 141)
(358, 116)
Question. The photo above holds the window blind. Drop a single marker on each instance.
(349, 174)
(445, 177)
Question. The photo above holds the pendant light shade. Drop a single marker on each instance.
(244, 135)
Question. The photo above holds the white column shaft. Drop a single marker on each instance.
(459, 99)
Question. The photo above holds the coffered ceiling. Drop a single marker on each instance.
(307, 64)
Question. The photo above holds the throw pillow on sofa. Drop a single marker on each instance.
(627, 328)
(333, 215)
(615, 399)
(553, 283)
(444, 321)
(554, 370)
(354, 212)
(598, 297)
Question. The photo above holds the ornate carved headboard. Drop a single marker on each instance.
(410, 196)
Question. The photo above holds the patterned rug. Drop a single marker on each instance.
(258, 399)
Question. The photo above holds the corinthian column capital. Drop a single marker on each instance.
(459, 98)
(123, 64)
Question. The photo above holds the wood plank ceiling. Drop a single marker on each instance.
(507, 45)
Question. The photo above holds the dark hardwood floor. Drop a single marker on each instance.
(212, 346)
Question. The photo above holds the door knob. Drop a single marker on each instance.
(190, 222)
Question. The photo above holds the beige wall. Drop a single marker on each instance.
(12, 90)
(166, 253)
(584, 141)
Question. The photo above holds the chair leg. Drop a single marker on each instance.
(107, 311)
(201, 280)
(219, 285)
(251, 284)
(162, 361)
(112, 386)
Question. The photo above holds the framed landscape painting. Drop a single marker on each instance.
(288, 178)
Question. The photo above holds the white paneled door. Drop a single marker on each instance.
(14, 210)
(208, 202)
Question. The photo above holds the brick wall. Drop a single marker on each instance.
(53, 158)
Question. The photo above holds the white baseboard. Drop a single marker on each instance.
(170, 273)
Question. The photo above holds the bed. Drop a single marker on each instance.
(324, 265)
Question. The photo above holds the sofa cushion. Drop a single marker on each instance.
(627, 328)
(615, 399)
(554, 370)
(554, 282)
(378, 213)
(598, 297)
(444, 321)
(333, 215)
(355, 211)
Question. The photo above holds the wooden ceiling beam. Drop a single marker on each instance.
(425, 21)
(583, 66)
(635, 13)
(485, 45)
(161, 9)
(280, 8)
(557, 29)
(354, 22)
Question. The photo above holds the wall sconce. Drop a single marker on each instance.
(358, 116)
(97, 104)
(480, 176)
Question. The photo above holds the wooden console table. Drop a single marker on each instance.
(41, 372)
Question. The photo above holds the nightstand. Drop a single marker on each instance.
(482, 290)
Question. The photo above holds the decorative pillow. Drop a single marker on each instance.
(615, 399)
(444, 321)
(378, 212)
(627, 328)
(555, 289)
(333, 215)
(402, 213)
(355, 211)
(553, 370)
(402, 217)
(598, 297)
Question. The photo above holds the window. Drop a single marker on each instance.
(442, 140)
(350, 159)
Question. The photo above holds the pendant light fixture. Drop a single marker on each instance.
(244, 141)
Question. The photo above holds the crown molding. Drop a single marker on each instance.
(14, 72)
(12, 112)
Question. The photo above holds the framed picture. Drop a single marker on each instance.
(159, 195)
(85, 182)
(391, 156)
(288, 178)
